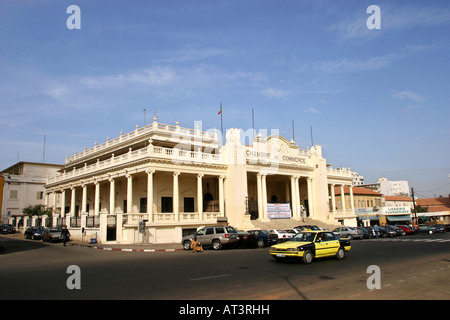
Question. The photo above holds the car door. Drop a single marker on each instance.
(332, 243)
(320, 245)
(326, 244)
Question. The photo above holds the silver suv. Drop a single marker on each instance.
(216, 236)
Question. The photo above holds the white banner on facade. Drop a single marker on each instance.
(279, 210)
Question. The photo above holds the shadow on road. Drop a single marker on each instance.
(12, 244)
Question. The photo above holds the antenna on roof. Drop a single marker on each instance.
(312, 139)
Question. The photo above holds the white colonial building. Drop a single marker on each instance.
(159, 182)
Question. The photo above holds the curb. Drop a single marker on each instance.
(136, 250)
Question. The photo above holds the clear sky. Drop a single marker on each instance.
(376, 99)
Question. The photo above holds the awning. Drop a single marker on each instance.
(405, 217)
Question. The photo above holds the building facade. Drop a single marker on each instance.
(160, 182)
(23, 185)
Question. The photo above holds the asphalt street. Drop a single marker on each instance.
(410, 267)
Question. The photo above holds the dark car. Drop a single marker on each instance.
(34, 233)
(366, 233)
(397, 230)
(381, 231)
(7, 228)
(52, 234)
(439, 227)
(265, 238)
(388, 231)
(424, 228)
(246, 240)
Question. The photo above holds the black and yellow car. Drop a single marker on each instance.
(309, 245)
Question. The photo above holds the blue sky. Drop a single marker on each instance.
(377, 100)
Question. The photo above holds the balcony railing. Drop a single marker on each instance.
(177, 156)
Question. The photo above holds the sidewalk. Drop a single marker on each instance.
(138, 247)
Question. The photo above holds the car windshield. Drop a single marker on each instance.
(54, 230)
(231, 230)
(304, 236)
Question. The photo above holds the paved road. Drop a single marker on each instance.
(411, 267)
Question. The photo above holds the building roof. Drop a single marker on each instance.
(397, 198)
(357, 191)
(434, 202)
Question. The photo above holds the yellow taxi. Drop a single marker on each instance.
(309, 245)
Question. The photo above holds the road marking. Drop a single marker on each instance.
(211, 277)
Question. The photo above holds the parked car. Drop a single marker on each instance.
(215, 236)
(52, 234)
(424, 228)
(388, 232)
(397, 230)
(34, 233)
(365, 232)
(7, 228)
(282, 235)
(406, 229)
(348, 232)
(309, 245)
(307, 228)
(265, 238)
(246, 240)
(439, 227)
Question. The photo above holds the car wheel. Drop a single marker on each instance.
(217, 245)
(340, 254)
(187, 245)
(307, 257)
(430, 232)
(349, 237)
(260, 243)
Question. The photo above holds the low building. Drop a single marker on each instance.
(23, 185)
(160, 182)
(438, 209)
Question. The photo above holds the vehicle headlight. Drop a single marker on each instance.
(300, 249)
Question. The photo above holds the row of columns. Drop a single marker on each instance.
(150, 213)
(343, 200)
(261, 185)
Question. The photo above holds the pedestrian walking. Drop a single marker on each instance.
(65, 234)
(376, 228)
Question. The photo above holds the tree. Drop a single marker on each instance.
(37, 210)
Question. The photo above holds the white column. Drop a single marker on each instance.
(129, 193)
(54, 202)
(221, 197)
(72, 202)
(259, 191)
(150, 194)
(333, 200)
(297, 196)
(84, 199)
(97, 198)
(200, 196)
(294, 198)
(264, 196)
(176, 200)
(63, 203)
(352, 205)
(343, 198)
(112, 196)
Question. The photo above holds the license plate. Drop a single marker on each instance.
(280, 255)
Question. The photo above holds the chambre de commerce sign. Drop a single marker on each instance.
(275, 157)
